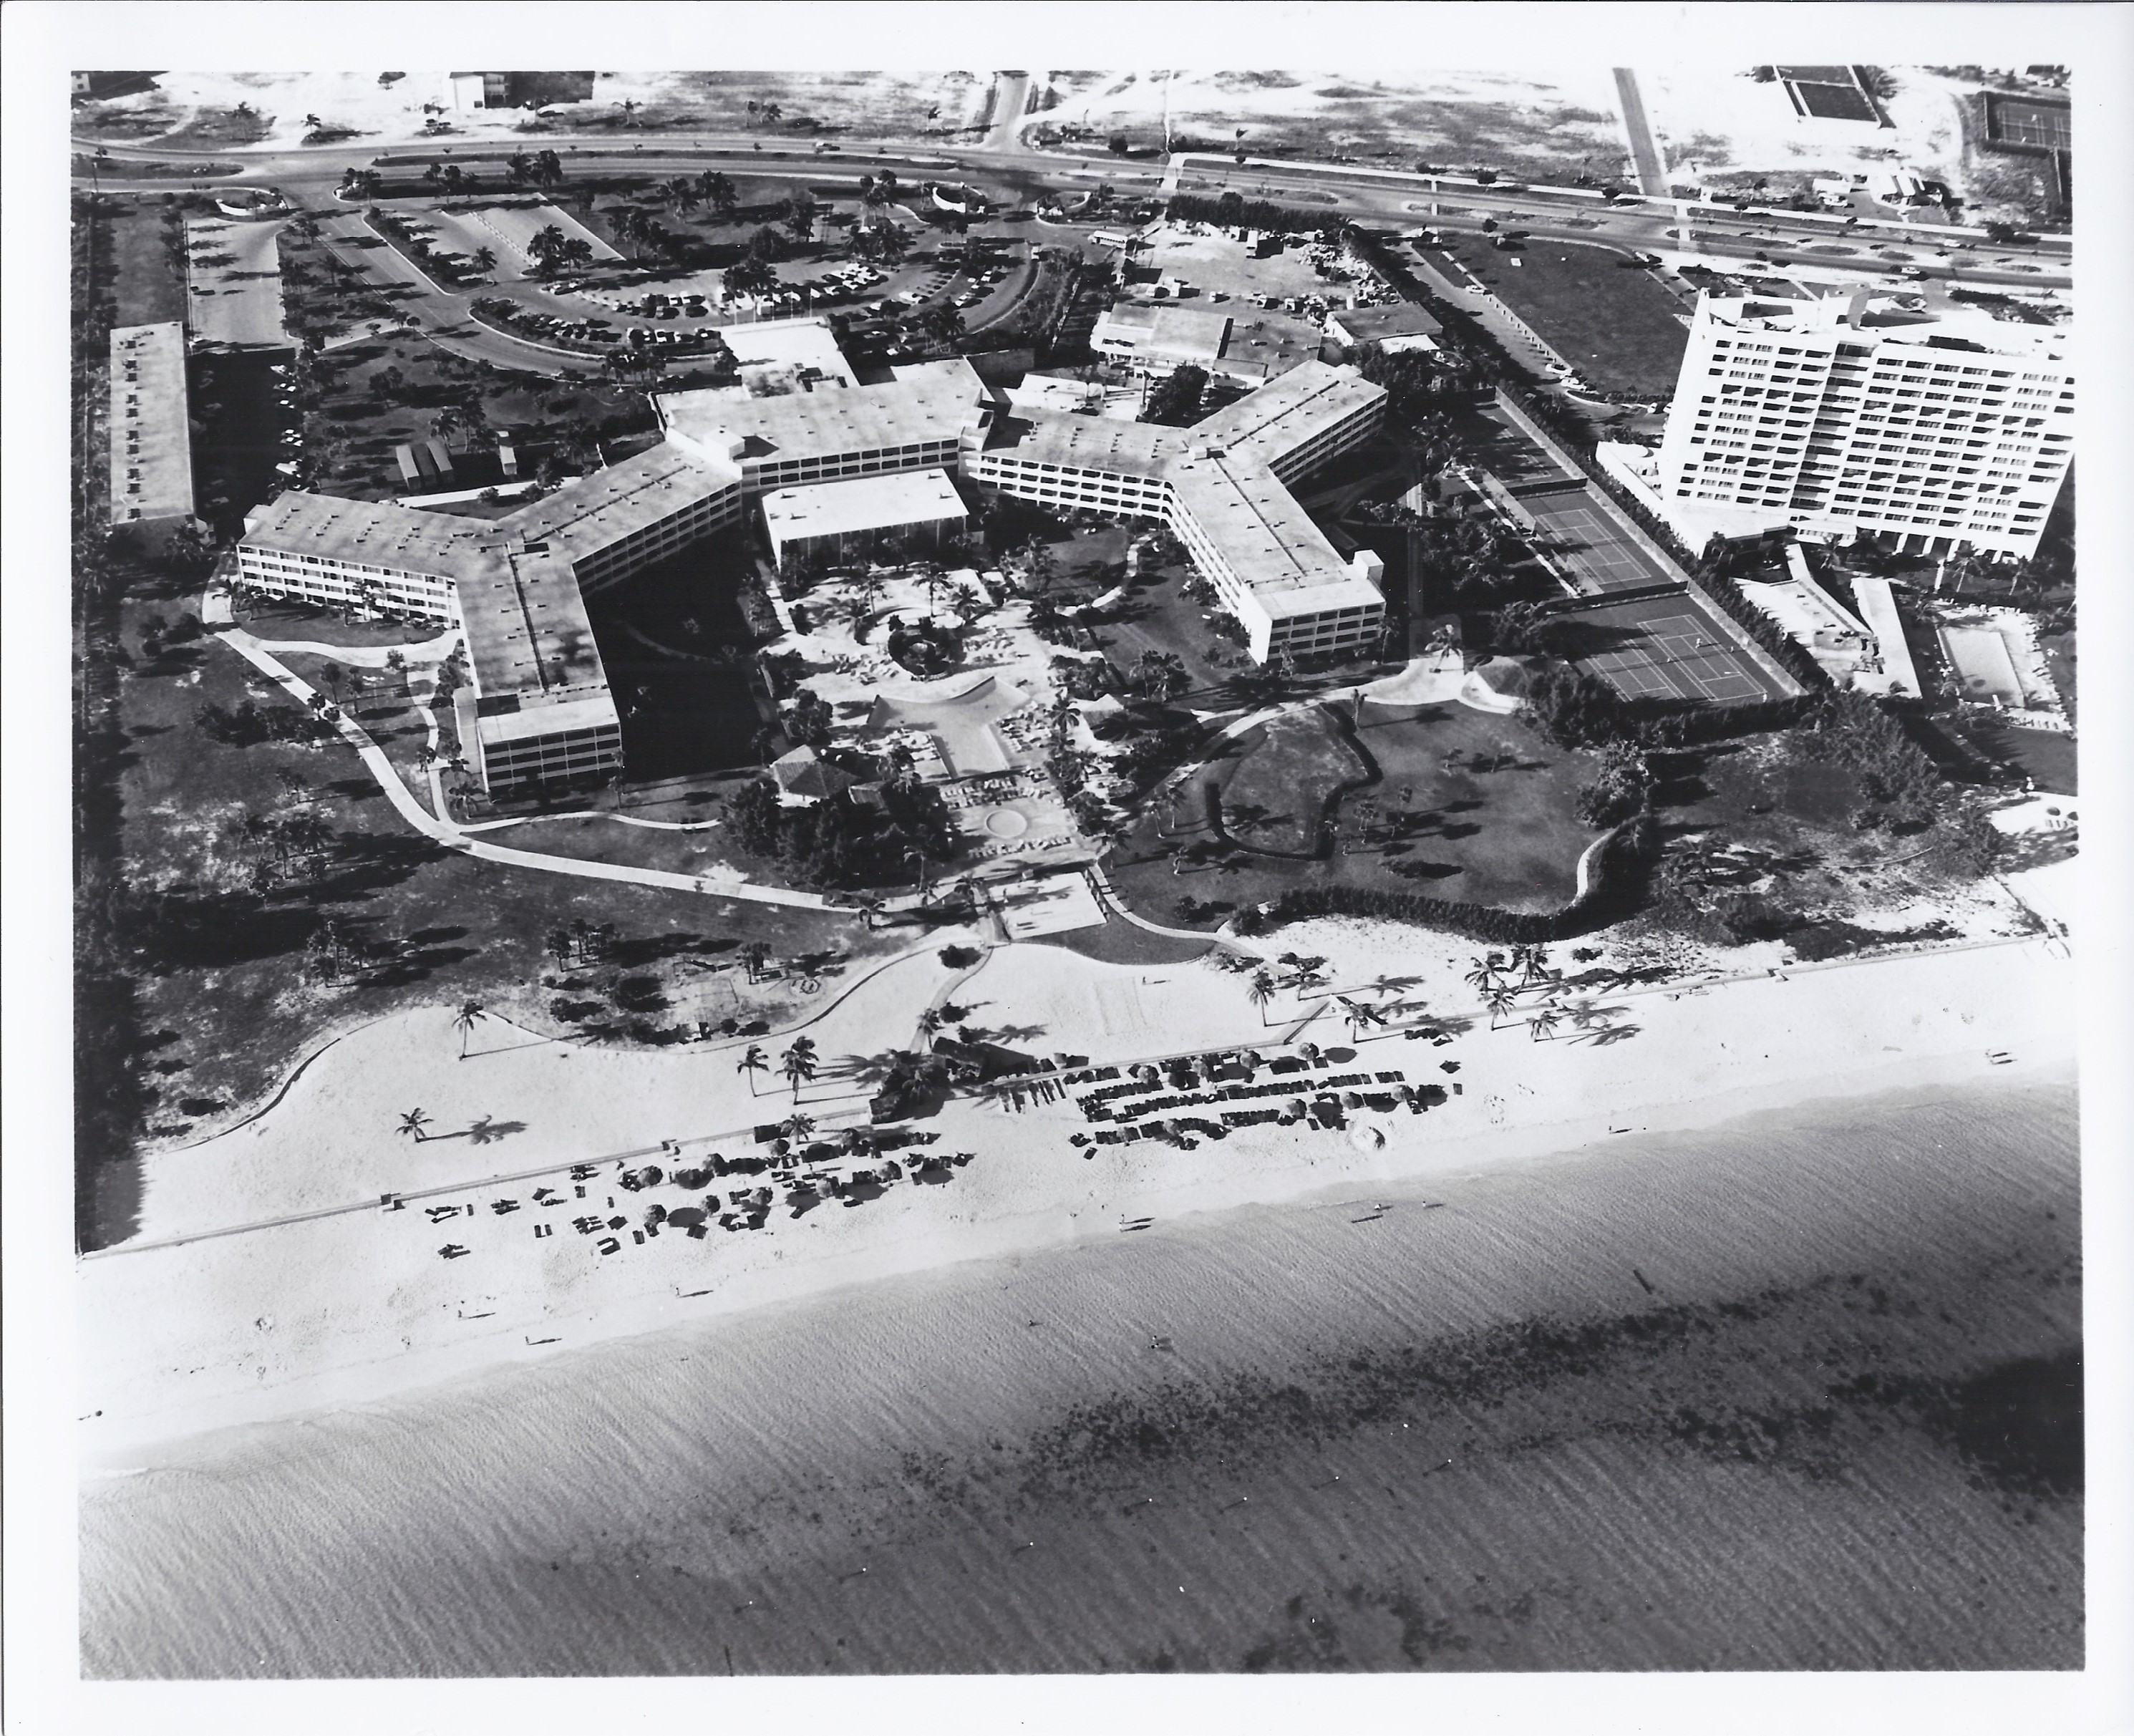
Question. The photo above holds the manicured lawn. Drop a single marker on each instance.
(321, 626)
(1155, 615)
(223, 998)
(1608, 320)
(1286, 776)
(1469, 807)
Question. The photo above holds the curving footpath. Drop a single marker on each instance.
(453, 837)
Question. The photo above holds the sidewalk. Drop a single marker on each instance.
(452, 836)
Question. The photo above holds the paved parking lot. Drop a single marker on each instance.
(234, 283)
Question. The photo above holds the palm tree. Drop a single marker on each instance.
(1543, 1023)
(798, 1063)
(470, 1014)
(485, 260)
(413, 1121)
(1536, 964)
(1481, 975)
(752, 1064)
(1499, 1000)
(797, 1126)
(753, 955)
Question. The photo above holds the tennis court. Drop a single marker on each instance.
(2041, 126)
(1667, 647)
(1596, 552)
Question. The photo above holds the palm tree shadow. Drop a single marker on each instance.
(488, 1130)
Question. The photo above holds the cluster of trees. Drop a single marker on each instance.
(1619, 877)
(1900, 784)
(552, 251)
(1175, 403)
(1235, 210)
(1619, 789)
(808, 720)
(1472, 555)
(845, 843)
(249, 724)
(1416, 382)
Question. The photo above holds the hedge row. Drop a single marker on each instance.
(1617, 883)
(1254, 214)
(1792, 656)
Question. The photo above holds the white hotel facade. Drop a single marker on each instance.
(1932, 429)
(539, 710)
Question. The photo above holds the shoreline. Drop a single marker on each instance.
(1671, 1384)
(1053, 1211)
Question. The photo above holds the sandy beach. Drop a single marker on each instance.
(187, 1332)
(1734, 1398)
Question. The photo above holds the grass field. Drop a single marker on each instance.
(1286, 777)
(1524, 126)
(223, 997)
(1611, 322)
(1469, 807)
(355, 428)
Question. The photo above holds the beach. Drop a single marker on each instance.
(1697, 1349)
(1731, 1398)
(190, 1330)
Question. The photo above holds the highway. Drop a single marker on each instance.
(1008, 170)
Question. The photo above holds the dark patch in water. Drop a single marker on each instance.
(2020, 1425)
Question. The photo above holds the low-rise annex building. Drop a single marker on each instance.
(839, 521)
(150, 434)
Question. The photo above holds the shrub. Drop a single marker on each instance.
(1620, 866)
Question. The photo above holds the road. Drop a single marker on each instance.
(1644, 154)
(1011, 98)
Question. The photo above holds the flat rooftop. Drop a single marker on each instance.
(1177, 331)
(150, 434)
(371, 533)
(527, 631)
(1394, 319)
(1270, 541)
(863, 503)
(591, 512)
(1274, 420)
(1124, 448)
(592, 712)
(776, 343)
(921, 405)
(1882, 317)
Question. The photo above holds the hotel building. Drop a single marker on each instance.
(539, 710)
(1931, 428)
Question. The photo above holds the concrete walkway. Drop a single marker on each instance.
(1637, 129)
(452, 836)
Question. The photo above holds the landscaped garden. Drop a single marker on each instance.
(1462, 804)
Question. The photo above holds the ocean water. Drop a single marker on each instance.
(1803, 1392)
